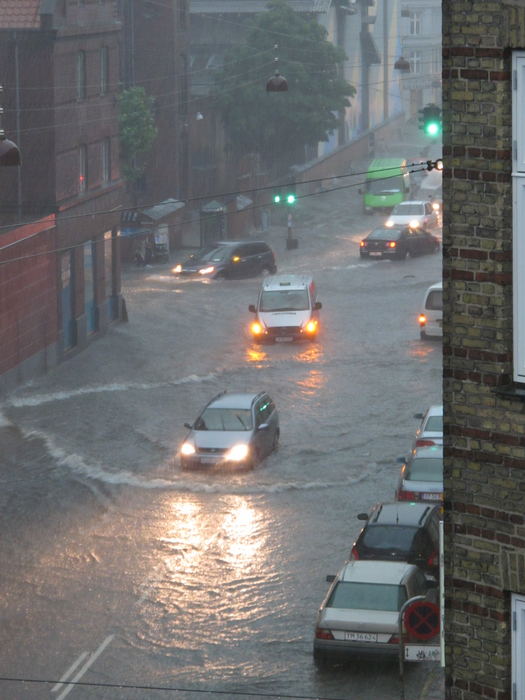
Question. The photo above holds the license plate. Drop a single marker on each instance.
(431, 496)
(375, 252)
(360, 637)
(208, 460)
(283, 340)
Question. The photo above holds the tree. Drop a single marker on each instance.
(137, 131)
(279, 125)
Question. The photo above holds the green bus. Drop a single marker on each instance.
(387, 184)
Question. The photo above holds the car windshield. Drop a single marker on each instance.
(389, 185)
(212, 254)
(396, 539)
(351, 595)
(284, 300)
(425, 469)
(224, 419)
(408, 210)
(434, 424)
(384, 234)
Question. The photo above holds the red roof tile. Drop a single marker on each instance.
(19, 14)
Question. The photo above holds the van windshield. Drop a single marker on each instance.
(284, 300)
(390, 185)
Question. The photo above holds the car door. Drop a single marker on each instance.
(247, 260)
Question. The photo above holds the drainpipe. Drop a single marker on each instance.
(17, 93)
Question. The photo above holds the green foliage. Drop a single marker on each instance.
(279, 125)
(137, 131)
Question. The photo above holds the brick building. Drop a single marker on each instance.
(484, 347)
(60, 80)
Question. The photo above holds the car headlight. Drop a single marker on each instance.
(237, 453)
(177, 268)
(207, 270)
(311, 327)
(435, 206)
(414, 224)
(187, 449)
(389, 223)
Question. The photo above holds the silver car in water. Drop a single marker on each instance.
(233, 430)
(360, 614)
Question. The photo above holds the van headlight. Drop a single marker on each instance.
(237, 453)
(311, 327)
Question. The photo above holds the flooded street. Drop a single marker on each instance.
(197, 581)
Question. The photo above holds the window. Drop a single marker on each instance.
(415, 23)
(104, 70)
(106, 159)
(81, 75)
(415, 62)
(518, 645)
(518, 214)
(82, 168)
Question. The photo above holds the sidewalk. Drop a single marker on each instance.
(434, 688)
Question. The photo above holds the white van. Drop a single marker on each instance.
(431, 319)
(287, 310)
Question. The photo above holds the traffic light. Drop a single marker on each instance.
(288, 196)
(430, 120)
(277, 197)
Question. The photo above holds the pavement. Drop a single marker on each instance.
(434, 688)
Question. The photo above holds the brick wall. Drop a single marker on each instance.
(484, 427)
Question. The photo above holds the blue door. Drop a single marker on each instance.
(67, 300)
(89, 286)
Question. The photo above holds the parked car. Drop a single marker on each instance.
(401, 531)
(233, 430)
(413, 214)
(421, 477)
(431, 318)
(430, 431)
(230, 259)
(287, 310)
(398, 242)
(360, 614)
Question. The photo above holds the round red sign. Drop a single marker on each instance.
(422, 619)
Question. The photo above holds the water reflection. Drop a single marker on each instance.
(420, 351)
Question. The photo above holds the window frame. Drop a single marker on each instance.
(82, 168)
(415, 23)
(81, 76)
(106, 159)
(415, 60)
(104, 70)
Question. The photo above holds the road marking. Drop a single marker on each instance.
(69, 671)
(85, 667)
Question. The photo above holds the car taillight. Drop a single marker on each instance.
(354, 554)
(425, 443)
(392, 244)
(323, 634)
(422, 319)
(433, 559)
(405, 496)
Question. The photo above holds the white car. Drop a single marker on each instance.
(430, 431)
(431, 318)
(421, 477)
(413, 214)
(360, 614)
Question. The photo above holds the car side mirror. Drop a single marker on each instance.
(401, 460)
(317, 306)
(418, 415)
(330, 578)
(263, 426)
(362, 516)
(252, 308)
(188, 425)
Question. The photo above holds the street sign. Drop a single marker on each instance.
(422, 619)
(416, 652)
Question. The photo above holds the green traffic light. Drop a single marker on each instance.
(277, 198)
(432, 129)
(290, 198)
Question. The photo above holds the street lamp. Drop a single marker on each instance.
(403, 65)
(277, 82)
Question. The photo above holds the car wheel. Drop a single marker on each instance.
(272, 269)
(320, 660)
(406, 255)
(364, 255)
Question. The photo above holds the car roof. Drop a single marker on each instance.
(411, 201)
(236, 400)
(286, 282)
(217, 244)
(433, 452)
(401, 513)
(366, 571)
(435, 411)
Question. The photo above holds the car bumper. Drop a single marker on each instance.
(216, 463)
(338, 649)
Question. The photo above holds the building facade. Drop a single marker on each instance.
(483, 346)
(60, 75)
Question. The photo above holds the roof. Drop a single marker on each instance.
(366, 571)
(253, 6)
(401, 513)
(434, 452)
(159, 211)
(19, 14)
(240, 400)
(288, 281)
